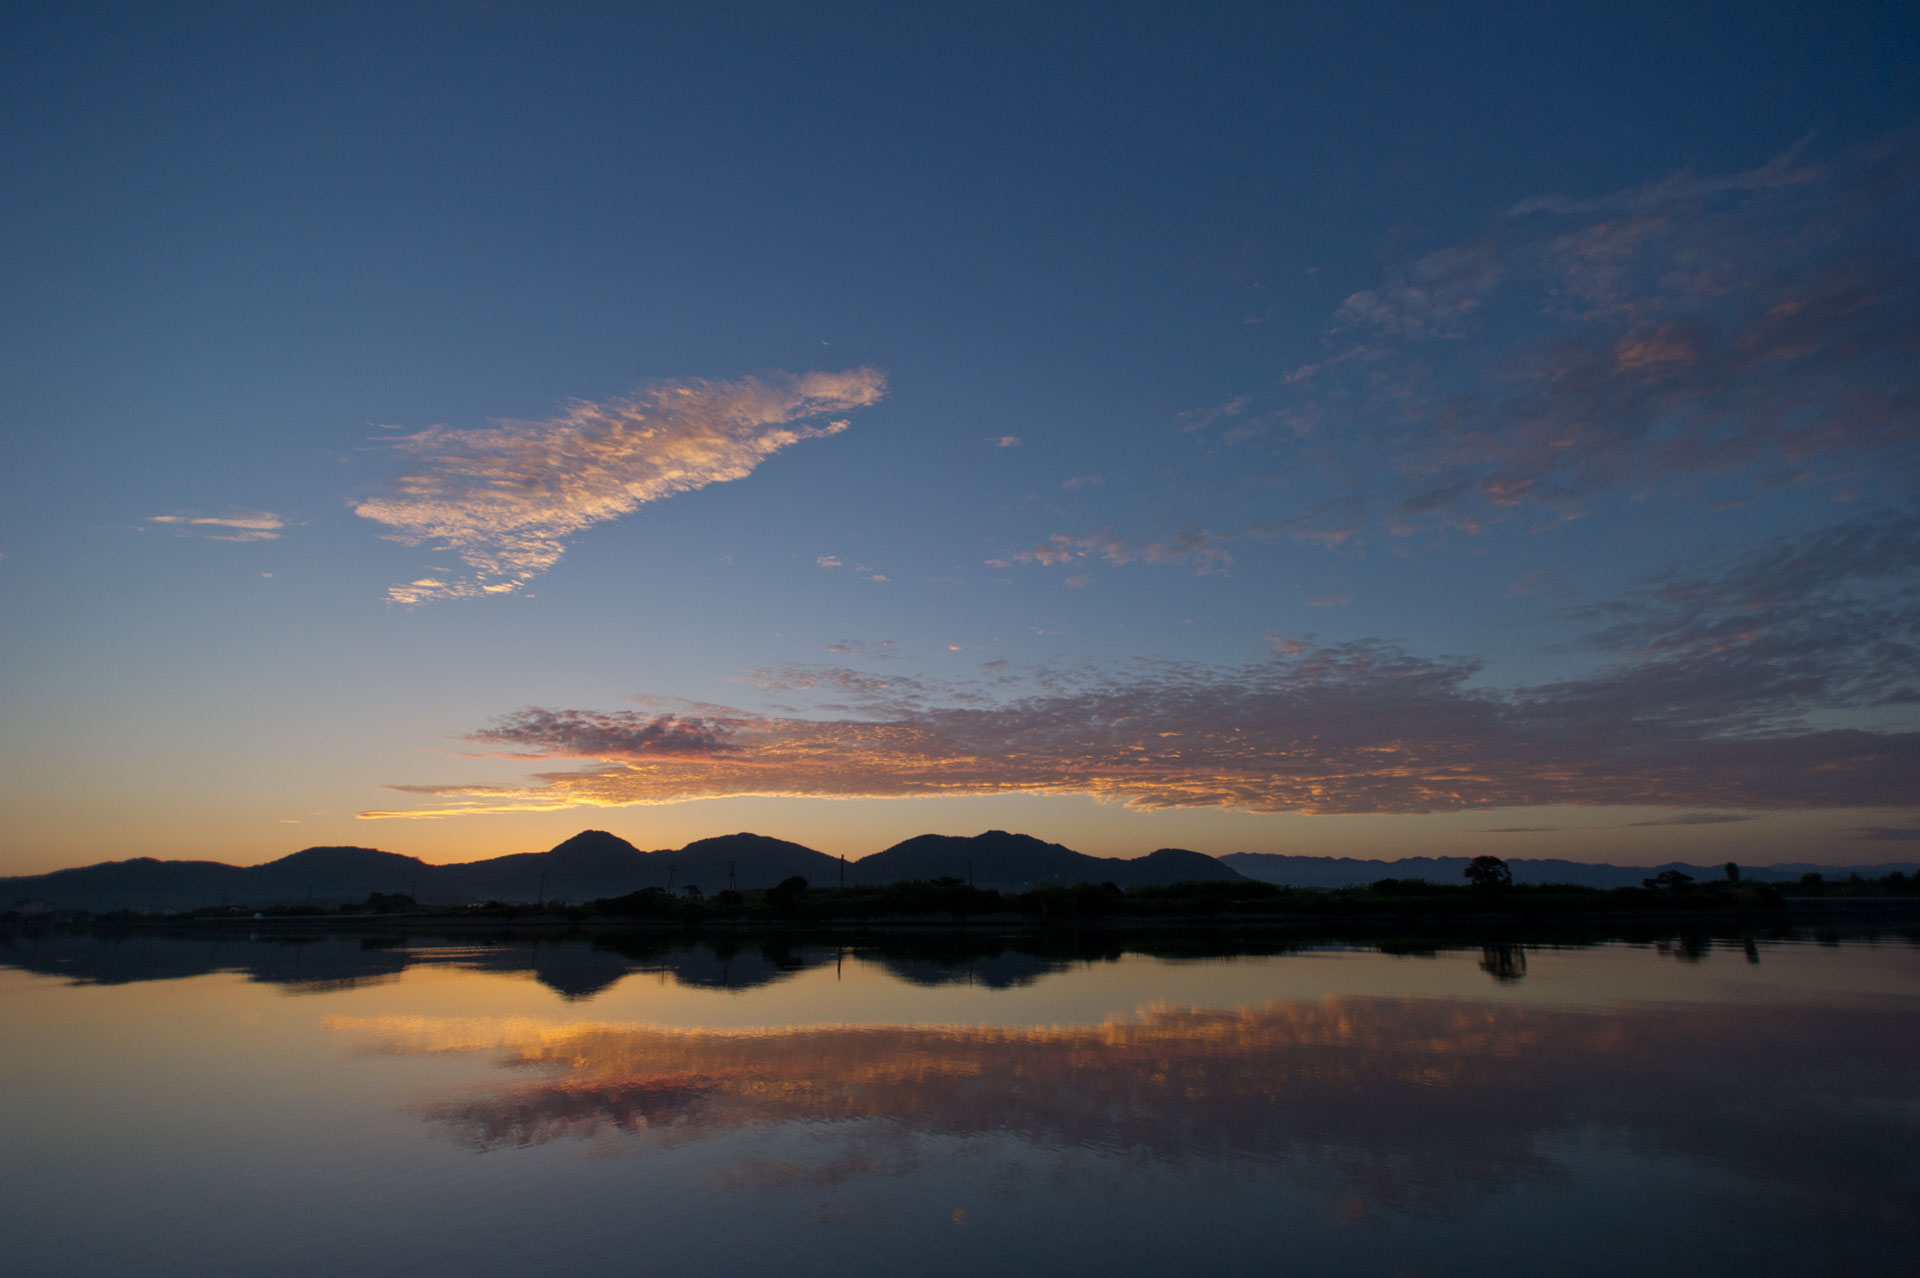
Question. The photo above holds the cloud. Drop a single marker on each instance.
(1429, 297)
(864, 648)
(860, 570)
(1198, 548)
(506, 498)
(1328, 601)
(1753, 329)
(619, 734)
(1521, 829)
(1328, 523)
(1757, 683)
(1078, 482)
(1827, 618)
(1434, 1106)
(1888, 833)
(1195, 419)
(1697, 818)
(256, 525)
(1005, 441)
(1353, 728)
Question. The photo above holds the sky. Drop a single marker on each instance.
(1364, 430)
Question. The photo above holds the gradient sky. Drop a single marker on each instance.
(1372, 431)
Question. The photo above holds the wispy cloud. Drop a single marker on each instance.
(1197, 548)
(1195, 419)
(1347, 729)
(253, 525)
(620, 734)
(1755, 327)
(859, 570)
(1698, 818)
(1722, 697)
(1005, 441)
(506, 498)
(865, 648)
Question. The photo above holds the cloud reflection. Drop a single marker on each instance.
(1398, 1100)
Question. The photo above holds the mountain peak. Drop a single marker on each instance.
(597, 841)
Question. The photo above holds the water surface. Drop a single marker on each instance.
(225, 1105)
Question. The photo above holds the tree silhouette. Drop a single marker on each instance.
(1488, 873)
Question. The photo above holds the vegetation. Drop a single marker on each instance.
(1489, 890)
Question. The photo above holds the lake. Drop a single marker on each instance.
(954, 1105)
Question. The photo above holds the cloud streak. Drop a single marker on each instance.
(1757, 327)
(1203, 551)
(506, 499)
(256, 525)
(1762, 683)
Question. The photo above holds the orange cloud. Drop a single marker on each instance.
(505, 499)
(257, 525)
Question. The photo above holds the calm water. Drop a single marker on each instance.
(231, 1106)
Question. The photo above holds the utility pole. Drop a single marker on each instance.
(670, 870)
(843, 870)
(969, 871)
(730, 886)
(543, 892)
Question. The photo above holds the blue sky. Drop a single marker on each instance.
(1390, 431)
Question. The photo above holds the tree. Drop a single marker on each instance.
(1733, 872)
(1668, 880)
(784, 897)
(1488, 873)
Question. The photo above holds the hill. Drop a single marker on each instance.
(1019, 862)
(591, 865)
(748, 861)
(1337, 872)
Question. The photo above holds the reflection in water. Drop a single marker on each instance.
(1504, 962)
(581, 968)
(1397, 1101)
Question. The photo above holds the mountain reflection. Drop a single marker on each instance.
(1396, 1100)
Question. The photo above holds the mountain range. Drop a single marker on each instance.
(590, 865)
(1343, 871)
(595, 864)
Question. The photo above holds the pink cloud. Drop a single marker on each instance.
(505, 499)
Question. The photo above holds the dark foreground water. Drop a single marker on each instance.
(342, 1105)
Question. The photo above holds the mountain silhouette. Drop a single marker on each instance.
(1020, 862)
(591, 864)
(1343, 871)
(749, 861)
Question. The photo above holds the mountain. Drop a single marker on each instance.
(1344, 871)
(749, 861)
(592, 864)
(1018, 862)
(589, 865)
(324, 876)
(1174, 865)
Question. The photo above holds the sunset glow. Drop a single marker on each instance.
(1361, 435)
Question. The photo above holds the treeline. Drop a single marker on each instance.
(1489, 890)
